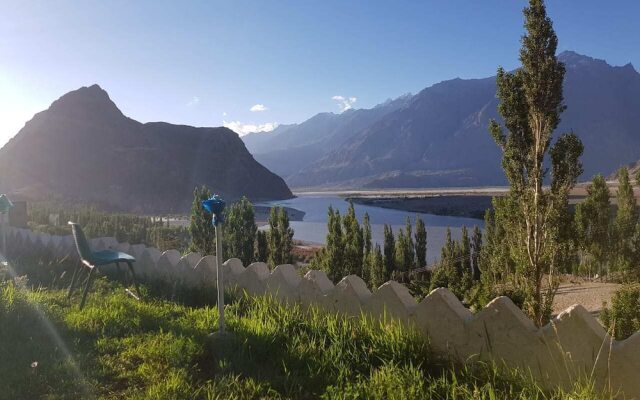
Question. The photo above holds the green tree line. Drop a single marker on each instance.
(242, 239)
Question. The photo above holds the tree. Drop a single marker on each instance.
(389, 252)
(409, 246)
(331, 258)
(625, 223)
(280, 237)
(593, 225)
(366, 251)
(403, 262)
(465, 251)
(353, 243)
(445, 273)
(335, 249)
(447, 253)
(421, 243)
(454, 271)
(201, 228)
(262, 247)
(377, 274)
(240, 231)
(476, 249)
(531, 102)
(366, 233)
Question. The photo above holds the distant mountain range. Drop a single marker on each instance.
(439, 137)
(84, 149)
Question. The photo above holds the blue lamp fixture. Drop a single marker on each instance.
(215, 205)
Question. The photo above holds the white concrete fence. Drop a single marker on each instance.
(573, 345)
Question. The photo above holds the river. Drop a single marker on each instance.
(313, 227)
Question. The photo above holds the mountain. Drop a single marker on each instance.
(84, 149)
(290, 148)
(439, 136)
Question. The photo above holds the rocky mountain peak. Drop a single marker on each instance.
(86, 102)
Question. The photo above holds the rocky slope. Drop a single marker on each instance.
(439, 137)
(84, 149)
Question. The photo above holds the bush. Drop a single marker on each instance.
(623, 318)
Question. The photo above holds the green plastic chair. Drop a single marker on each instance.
(95, 260)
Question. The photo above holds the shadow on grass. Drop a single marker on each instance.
(118, 347)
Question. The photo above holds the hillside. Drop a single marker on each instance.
(439, 137)
(84, 149)
(290, 148)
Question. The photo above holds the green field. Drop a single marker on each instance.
(119, 348)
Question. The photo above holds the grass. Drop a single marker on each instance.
(120, 348)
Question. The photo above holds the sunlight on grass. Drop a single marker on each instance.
(159, 349)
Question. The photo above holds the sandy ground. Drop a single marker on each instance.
(589, 294)
(373, 193)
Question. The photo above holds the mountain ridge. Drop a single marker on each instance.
(439, 136)
(83, 148)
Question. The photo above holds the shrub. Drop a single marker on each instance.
(623, 318)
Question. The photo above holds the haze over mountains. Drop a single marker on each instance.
(83, 148)
(439, 137)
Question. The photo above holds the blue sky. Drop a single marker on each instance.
(204, 63)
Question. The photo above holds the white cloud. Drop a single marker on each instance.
(258, 107)
(193, 102)
(224, 113)
(242, 128)
(345, 103)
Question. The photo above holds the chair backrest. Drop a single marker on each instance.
(81, 242)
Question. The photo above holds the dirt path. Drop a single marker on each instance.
(589, 294)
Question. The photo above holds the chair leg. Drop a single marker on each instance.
(119, 273)
(135, 281)
(86, 288)
(75, 275)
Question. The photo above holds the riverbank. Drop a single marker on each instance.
(262, 214)
(469, 206)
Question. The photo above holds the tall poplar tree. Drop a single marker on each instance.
(378, 275)
(476, 248)
(421, 243)
(280, 237)
(367, 249)
(593, 226)
(465, 251)
(353, 243)
(531, 102)
(625, 223)
(402, 258)
(240, 231)
(262, 247)
(389, 252)
(331, 258)
(201, 228)
(409, 246)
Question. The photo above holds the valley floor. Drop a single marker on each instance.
(591, 295)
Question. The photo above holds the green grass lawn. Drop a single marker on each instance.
(118, 347)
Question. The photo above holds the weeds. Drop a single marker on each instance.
(118, 347)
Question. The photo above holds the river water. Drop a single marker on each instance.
(313, 227)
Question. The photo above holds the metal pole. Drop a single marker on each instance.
(220, 278)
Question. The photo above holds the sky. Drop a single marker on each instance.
(251, 65)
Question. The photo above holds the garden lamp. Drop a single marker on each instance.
(215, 205)
(5, 206)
